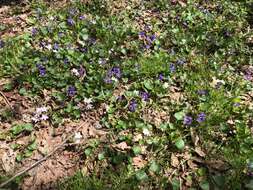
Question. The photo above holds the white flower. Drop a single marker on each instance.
(165, 85)
(26, 118)
(49, 46)
(107, 107)
(75, 72)
(89, 106)
(41, 110)
(87, 100)
(146, 132)
(98, 125)
(77, 138)
(36, 118)
(43, 117)
(216, 82)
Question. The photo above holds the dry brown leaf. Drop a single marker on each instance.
(174, 160)
(217, 164)
(94, 132)
(192, 165)
(7, 158)
(137, 137)
(183, 4)
(186, 155)
(122, 146)
(138, 162)
(194, 137)
(4, 9)
(200, 152)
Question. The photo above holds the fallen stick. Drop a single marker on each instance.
(40, 160)
(5, 99)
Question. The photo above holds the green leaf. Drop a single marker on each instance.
(175, 184)
(123, 50)
(8, 87)
(163, 127)
(141, 175)
(22, 91)
(154, 167)
(14, 146)
(19, 157)
(17, 129)
(219, 180)
(88, 151)
(85, 37)
(180, 144)
(101, 156)
(136, 150)
(32, 146)
(204, 185)
(28, 153)
(179, 115)
(148, 85)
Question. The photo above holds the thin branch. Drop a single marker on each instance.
(5, 99)
(40, 160)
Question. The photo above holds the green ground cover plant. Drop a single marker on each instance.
(176, 78)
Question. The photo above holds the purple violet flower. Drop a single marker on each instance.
(116, 71)
(2, 43)
(82, 17)
(43, 44)
(34, 31)
(144, 95)
(172, 68)
(152, 38)
(83, 49)
(71, 91)
(66, 61)
(142, 34)
(201, 117)
(56, 47)
(133, 105)
(120, 98)
(202, 92)
(107, 80)
(236, 104)
(61, 34)
(187, 120)
(42, 70)
(147, 46)
(248, 76)
(160, 77)
(81, 71)
(181, 61)
(70, 22)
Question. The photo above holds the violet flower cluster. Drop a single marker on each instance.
(114, 72)
(201, 117)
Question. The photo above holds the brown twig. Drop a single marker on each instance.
(5, 99)
(40, 160)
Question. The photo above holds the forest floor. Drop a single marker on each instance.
(126, 94)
